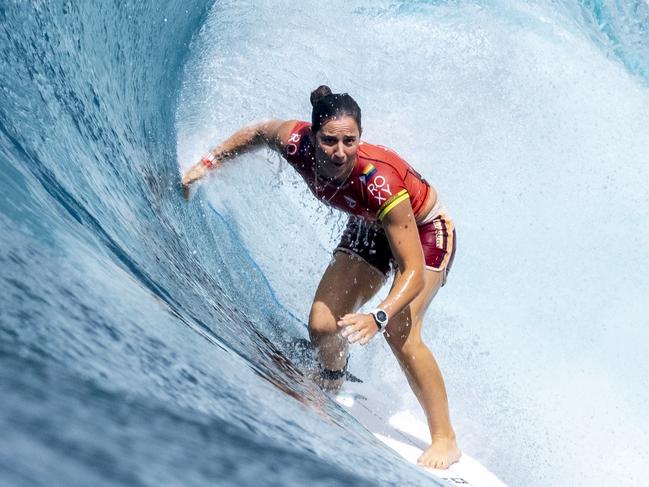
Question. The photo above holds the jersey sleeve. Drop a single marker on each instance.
(385, 188)
(293, 146)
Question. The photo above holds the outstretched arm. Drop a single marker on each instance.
(269, 132)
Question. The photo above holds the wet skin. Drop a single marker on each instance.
(336, 145)
(349, 282)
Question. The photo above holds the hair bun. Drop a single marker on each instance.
(319, 93)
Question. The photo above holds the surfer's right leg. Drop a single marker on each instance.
(346, 285)
(403, 334)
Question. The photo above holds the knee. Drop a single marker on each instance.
(321, 321)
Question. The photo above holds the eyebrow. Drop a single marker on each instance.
(332, 136)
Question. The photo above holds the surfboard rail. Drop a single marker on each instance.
(406, 435)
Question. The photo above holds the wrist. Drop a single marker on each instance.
(209, 159)
(380, 319)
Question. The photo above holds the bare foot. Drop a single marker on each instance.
(441, 454)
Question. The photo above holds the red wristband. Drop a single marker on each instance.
(208, 160)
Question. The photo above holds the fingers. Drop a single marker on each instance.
(349, 329)
(188, 179)
(361, 338)
(194, 174)
(357, 328)
(354, 337)
(350, 323)
(348, 319)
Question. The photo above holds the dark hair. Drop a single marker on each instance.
(328, 105)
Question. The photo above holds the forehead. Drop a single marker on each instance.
(344, 125)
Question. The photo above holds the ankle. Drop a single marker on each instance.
(448, 435)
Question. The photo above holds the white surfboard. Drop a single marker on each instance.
(407, 436)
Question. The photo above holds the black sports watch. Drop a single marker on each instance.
(380, 318)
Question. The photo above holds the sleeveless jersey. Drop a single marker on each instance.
(378, 182)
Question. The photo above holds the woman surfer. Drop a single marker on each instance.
(396, 222)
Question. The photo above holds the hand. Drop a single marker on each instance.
(358, 327)
(196, 172)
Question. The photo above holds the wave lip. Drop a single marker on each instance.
(139, 344)
(622, 28)
(533, 132)
(126, 314)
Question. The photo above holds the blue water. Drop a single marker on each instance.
(143, 339)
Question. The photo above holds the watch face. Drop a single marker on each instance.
(381, 316)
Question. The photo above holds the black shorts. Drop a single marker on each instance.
(367, 240)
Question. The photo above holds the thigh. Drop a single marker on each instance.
(405, 327)
(368, 241)
(346, 285)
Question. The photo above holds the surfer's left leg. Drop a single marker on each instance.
(403, 334)
(347, 284)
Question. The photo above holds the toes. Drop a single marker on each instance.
(439, 464)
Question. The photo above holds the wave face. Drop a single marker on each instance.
(142, 339)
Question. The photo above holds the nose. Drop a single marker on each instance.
(339, 153)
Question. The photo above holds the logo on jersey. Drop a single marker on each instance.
(368, 172)
(292, 145)
(351, 202)
(380, 189)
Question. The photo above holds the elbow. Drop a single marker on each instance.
(261, 131)
(420, 283)
(416, 281)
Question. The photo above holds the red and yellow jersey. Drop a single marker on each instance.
(378, 182)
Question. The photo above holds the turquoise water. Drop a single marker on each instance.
(142, 339)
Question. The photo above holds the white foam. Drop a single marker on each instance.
(537, 143)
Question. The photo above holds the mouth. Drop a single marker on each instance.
(332, 168)
(337, 162)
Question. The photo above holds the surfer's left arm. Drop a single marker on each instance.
(401, 229)
(245, 139)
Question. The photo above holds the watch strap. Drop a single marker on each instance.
(380, 318)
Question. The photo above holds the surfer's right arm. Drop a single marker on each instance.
(273, 133)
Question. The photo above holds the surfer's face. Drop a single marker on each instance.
(336, 145)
